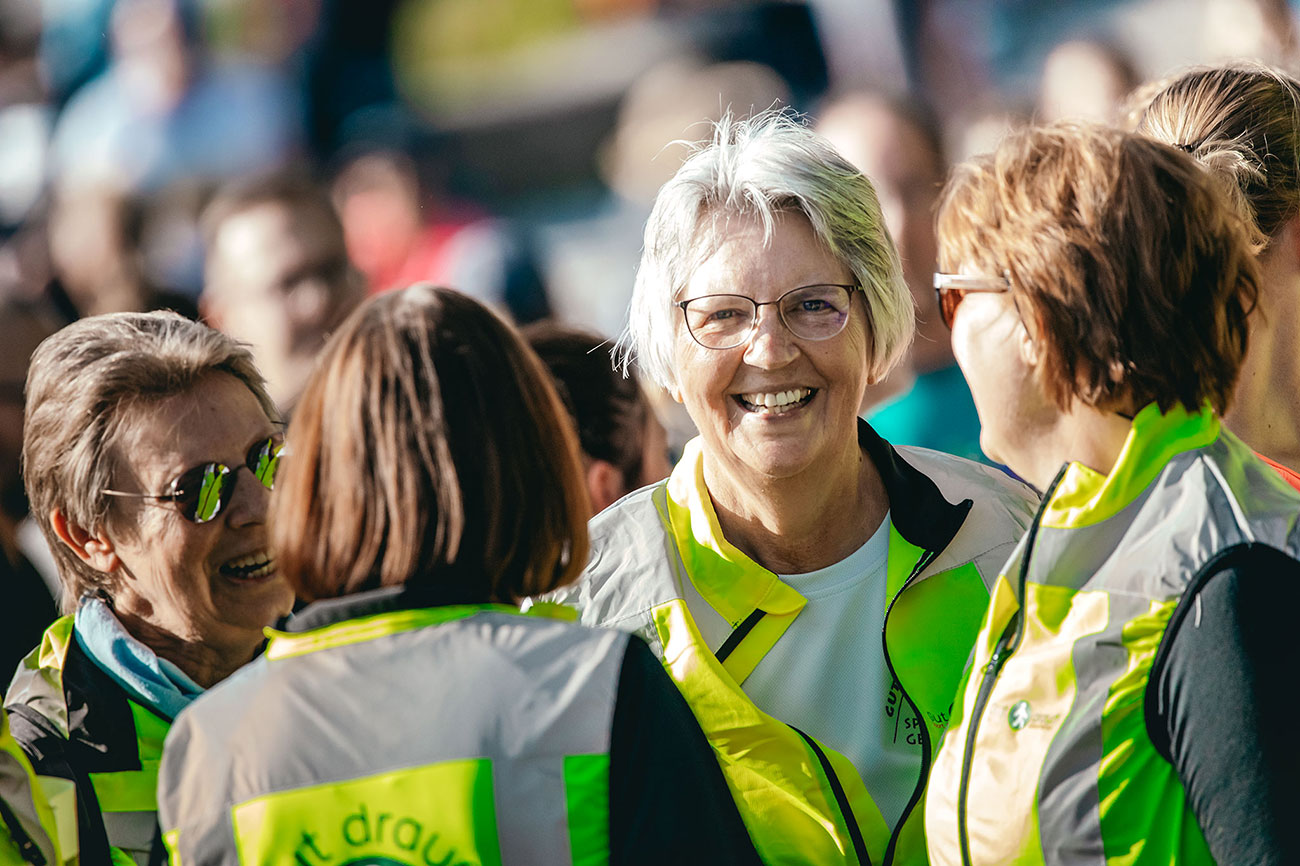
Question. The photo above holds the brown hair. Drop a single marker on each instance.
(430, 450)
(608, 407)
(1242, 122)
(1136, 271)
(82, 384)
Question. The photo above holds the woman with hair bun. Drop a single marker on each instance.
(1242, 123)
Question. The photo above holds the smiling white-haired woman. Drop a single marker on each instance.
(149, 450)
(790, 536)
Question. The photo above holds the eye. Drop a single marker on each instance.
(814, 305)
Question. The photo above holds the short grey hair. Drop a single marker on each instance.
(765, 166)
(82, 384)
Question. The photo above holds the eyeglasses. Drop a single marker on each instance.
(202, 492)
(726, 321)
(951, 290)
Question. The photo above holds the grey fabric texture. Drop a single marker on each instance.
(522, 691)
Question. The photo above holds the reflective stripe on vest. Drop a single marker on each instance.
(510, 761)
(127, 799)
(1062, 770)
(658, 555)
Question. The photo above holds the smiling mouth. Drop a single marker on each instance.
(255, 566)
(775, 402)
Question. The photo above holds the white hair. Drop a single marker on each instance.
(762, 167)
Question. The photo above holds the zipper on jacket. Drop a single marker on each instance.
(1008, 643)
(922, 564)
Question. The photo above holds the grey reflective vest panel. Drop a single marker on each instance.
(1096, 792)
(521, 691)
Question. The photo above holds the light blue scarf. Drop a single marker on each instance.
(154, 682)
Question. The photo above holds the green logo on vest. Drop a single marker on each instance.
(1019, 715)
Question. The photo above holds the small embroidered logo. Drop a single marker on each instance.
(1019, 715)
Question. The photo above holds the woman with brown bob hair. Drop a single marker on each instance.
(412, 714)
(1128, 697)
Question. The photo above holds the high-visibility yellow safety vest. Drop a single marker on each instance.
(112, 746)
(659, 553)
(1048, 758)
(501, 753)
(29, 827)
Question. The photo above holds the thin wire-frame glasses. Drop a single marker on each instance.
(816, 312)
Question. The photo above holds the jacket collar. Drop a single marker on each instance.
(1084, 496)
(917, 508)
(735, 585)
(389, 599)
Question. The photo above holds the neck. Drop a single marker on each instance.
(1266, 405)
(802, 523)
(205, 661)
(1083, 435)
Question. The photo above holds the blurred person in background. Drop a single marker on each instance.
(277, 275)
(398, 233)
(1130, 692)
(436, 483)
(149, 450)
(899, 147)
(29, 607)
(162, 111)
(813, 590)
(95, 258)
(1084, 80)
(624, 446)
(1242, 122)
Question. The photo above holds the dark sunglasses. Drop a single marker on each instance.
(952, 289)
(202, 492)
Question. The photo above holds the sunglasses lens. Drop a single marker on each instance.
(264, 460)
(201, 492)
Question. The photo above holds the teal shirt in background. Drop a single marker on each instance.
(937, 413)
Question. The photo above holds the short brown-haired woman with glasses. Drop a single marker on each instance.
(412, 714)
(1129, 696)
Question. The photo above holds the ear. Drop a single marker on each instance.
(605, 484)
(93, 548)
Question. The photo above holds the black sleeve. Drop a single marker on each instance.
(668, 801)
(1223, 685)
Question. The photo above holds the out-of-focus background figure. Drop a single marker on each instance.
(29, 603)
(278, 276)
(624, 447)
(898, 145)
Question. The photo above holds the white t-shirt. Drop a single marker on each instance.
(827, 675)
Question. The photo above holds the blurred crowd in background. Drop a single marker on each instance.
(263, 164)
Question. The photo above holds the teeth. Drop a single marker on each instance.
(254, 565)
(777, 400)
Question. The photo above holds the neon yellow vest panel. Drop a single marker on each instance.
(1047, 759)
(126, 797)
(661, 547)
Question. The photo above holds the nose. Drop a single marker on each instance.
(771, 345)
(249, 500)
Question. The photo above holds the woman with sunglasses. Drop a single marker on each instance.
(813, 590)
(412, 714)
(1129, 698)
(150, 447)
